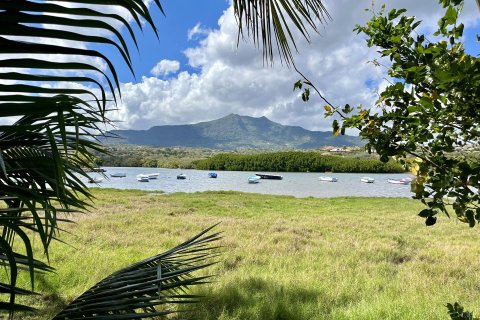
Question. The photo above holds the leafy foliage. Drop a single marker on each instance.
(294, 161)
(428, 117)
(430, 112)
(457, 312)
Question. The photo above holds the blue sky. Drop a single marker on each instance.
(184, 78)
(180, 17)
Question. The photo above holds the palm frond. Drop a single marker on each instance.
(268, 22)
(148, 288)
(44, 154)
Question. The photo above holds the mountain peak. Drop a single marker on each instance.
(235, 132)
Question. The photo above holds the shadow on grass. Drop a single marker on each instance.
(51, 303)
(256, 298)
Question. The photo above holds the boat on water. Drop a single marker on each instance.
(212, 175)
(143, 178)
(95, 179)
(254, 179)
(399, 181)
(181, 176)
(328, 179)
(153, 175)
(118, 175)
(269, 176)
(367, 179)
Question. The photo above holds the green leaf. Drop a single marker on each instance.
(430, 221)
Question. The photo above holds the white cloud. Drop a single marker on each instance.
(165, 67)
(197, 31)
(235, 80)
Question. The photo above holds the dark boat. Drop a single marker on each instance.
(269, 176)
(212, 175)
(181, 176)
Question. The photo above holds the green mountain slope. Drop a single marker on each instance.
(234, 132)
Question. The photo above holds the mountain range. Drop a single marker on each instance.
(233, 132)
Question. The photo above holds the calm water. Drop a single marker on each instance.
(295, 184)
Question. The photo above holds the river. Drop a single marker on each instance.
(294, 183)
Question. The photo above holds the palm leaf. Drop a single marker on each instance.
(44, 154)
(266, 22)
(150, 287)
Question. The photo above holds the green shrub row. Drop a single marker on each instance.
(295, 161)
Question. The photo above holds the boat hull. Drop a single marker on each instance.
(143, 178)
(394, 181)
(153, 176)
(269, 176)
(118, 175)
(328, 179)
(254, 179)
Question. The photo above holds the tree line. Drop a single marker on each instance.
(295, 161)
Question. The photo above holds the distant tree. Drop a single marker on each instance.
(428, 117)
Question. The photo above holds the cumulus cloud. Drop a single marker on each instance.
(165, 67)
(236, 80)
(197, 32)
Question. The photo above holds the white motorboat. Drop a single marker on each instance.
(95, 179)
(254, 179)
(118, 175)
(367, 179)
(153, 175)
(399, 181)
(143, 178)
(328, 179)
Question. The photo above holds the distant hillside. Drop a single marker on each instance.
(234, 132)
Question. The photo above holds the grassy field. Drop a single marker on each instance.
(282, 257)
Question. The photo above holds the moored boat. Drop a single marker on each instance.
(95, 180)
(269, 176)
(143, 178)
(181, 176)
(399, 181)
(328, 179)
(153, 175)
(254, 179)
(367, 179)
(212, 175)
(118, 175)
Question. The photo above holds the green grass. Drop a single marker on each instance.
(282, 257)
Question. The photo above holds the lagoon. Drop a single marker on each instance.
(298, 184)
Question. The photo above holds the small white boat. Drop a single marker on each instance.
(254, 179)
(95, 179)
(153, 175)
(367, 179)
(181, 176)
(328, 179)
(399, 181)
(143, 178)
(118, 175)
